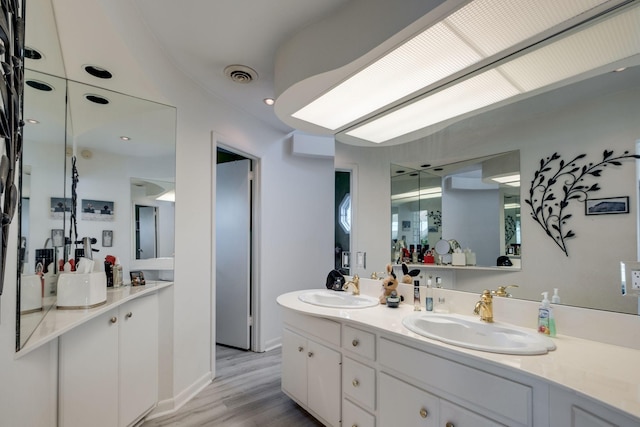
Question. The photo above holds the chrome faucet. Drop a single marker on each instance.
(484, 307)
(355, 283)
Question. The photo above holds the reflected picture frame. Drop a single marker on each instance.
(107, 238)
(607, 206)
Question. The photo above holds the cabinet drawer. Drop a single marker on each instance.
(354, 416)
(359, 382)
(499, 395)
(451, 414)
(402, 404)
(360, 342)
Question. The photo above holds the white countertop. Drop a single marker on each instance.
(57, 322)
(602, 371)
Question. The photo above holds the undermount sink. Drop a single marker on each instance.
(470, 332)
(337, 299)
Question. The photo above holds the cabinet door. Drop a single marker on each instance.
(401, 404)
(453, 415)
(138, 358)
(324, 385)
(294, 365)
(571, 410)
(88, 373)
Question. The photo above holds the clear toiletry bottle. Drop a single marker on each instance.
(555, 298)
(416, 295)
(546, 320)
(429, 296)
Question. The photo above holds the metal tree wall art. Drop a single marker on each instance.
(556, 183)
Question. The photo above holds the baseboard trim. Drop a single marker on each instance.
(169, 406)
(273, 344)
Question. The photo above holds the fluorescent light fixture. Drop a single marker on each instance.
(512, 206)
(506, 179)
(425, 193)
(608, 41)
(168, 196)
(477, 31)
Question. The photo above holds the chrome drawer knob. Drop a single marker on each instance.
(355, 383)
(310, 354)
(129, 315)
(114, 319)
(300, 349)
(355, 343)
(424, 413)
(449, 424)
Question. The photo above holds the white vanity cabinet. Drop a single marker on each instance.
(108, 366)
(571, 410)
(311, 371)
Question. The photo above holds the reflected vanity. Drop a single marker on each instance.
(107, 163)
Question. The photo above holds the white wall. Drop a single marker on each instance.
(590, 275)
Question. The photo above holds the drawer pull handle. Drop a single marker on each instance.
(355, 383)
(300, 349)
(450, 424)
(424, 413)
(129, 315)
(355, 343)
(310, 354)
(114, 319)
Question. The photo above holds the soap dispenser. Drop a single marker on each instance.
(546, 320)
(555, 298)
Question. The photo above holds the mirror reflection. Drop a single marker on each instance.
(116, 139)
(461, 214)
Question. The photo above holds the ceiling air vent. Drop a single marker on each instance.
(241, 73)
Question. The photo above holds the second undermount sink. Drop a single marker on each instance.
(334, 299)
(470, 332)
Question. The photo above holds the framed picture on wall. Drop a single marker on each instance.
(107, 238)
(607, 206)
(58, 206)
(97, 210)
(57, 237)
(406, 225)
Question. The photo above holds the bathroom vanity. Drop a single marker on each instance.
(362, 367)
(107, 357)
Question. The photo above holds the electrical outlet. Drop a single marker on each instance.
(635, 279)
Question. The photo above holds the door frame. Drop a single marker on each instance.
(219, 141)
(352, 168)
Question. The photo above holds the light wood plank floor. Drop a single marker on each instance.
(246, 393)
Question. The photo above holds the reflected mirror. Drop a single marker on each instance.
(471, 207)
(115, 138)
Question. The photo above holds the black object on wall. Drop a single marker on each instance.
(557, 183)
(11, 123)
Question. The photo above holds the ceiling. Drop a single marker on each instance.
(200, 37)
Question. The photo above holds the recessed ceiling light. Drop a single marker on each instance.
(33, 121)
(31, 53)
(36, 84)
(400, 171)
(98, 72)
(125, 138)
(618, 70)
(269, 101)
(97, 99)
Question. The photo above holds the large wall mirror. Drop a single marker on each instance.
(125, 155)
(472, 204)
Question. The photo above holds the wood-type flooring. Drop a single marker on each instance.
(245, 393)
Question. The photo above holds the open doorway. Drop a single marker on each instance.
(234, 311)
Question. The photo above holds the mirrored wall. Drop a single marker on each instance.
(472, 207)
(125, 156)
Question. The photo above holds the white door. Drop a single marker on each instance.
(233, 253)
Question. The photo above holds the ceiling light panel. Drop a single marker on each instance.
(493, 26)
(427, 58)
(479, 91)
(611, 40)
(474, 32)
